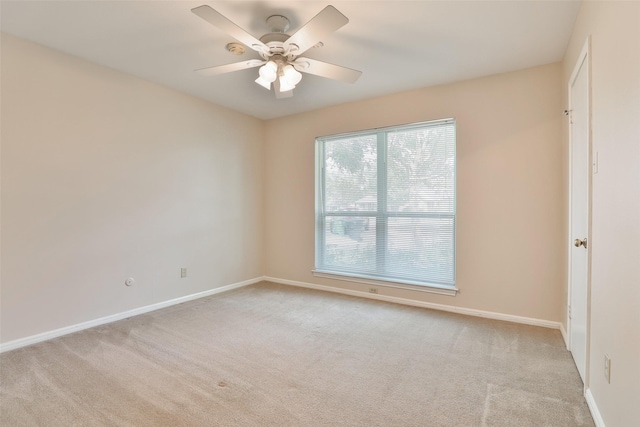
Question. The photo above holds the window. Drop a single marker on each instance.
(385, 205)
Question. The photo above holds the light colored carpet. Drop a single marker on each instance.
(273, 355)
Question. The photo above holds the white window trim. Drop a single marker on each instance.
(399, 284)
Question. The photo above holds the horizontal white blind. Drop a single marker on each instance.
(386, 203)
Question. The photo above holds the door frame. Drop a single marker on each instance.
(584, 57)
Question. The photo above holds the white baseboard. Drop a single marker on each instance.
(22, 342)
(595, 412)
(406, 301)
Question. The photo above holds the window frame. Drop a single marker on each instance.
(381, 214)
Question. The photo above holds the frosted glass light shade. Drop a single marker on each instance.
(262, 82)
(291, 74)
(289, 79)
(269, 71)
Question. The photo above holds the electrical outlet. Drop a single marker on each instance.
(183, 272)
(373, 290)
(607, 368)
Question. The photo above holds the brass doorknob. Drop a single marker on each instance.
(577, 243)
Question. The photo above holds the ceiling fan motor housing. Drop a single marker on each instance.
(275, 40)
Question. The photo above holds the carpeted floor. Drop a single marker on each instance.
(274, 355)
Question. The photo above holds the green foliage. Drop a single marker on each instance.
(350, 174)
(348, 157)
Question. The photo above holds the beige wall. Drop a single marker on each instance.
(106, 176)
(615, 281)
(510, 230)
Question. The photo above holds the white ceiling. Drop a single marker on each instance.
(398, 45)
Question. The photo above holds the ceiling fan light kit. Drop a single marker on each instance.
(281, 61)
(279, 69)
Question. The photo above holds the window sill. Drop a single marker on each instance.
(434, 289)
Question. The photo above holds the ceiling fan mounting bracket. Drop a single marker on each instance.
(278, 23)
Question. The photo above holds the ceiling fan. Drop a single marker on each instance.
(281, 63)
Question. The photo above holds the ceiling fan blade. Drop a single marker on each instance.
(324, 69)
(236, 66)
(324, 23)
(218, 20)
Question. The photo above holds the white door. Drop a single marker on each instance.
(579, 230)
